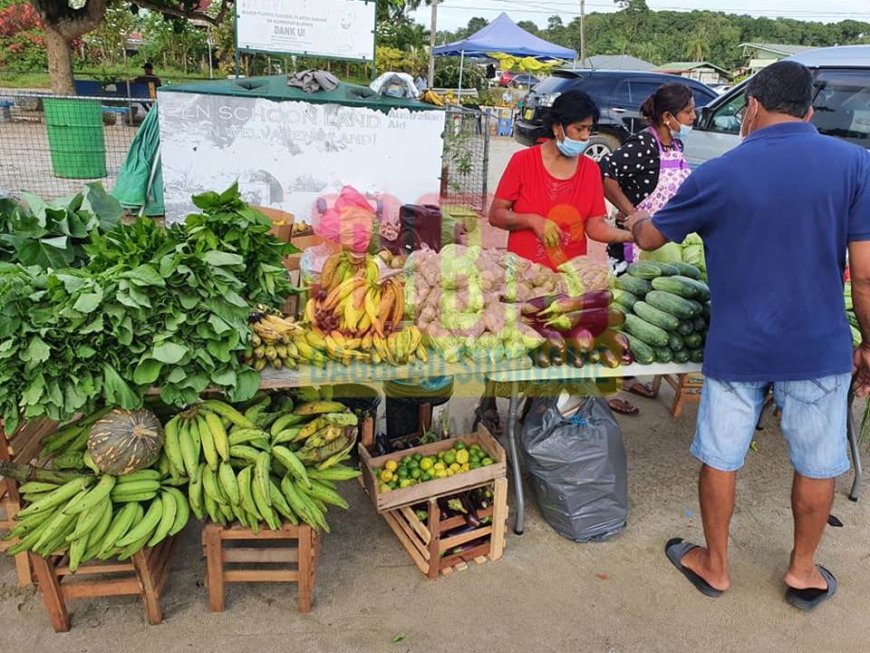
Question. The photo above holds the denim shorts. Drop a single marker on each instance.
(813, 423)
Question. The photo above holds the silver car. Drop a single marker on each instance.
(842, 104)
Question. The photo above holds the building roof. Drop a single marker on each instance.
(617, 62)
(683, 66)
(782, 49)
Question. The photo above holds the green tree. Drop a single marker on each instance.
(698, 46)
(110, 38)
(64, 21)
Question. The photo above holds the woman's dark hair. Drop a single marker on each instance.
(669, 98)
(569, 108)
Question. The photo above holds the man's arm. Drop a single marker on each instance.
(859, 269)
(646, 235)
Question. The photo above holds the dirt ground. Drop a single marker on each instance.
(546, 594)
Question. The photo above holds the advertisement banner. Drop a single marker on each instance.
(287, 155)
(340, 29)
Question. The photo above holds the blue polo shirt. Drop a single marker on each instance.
(776, 215)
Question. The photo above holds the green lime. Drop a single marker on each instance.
(459, 445)
(426, 476)
(450, 457)
(418, 457)
(487, 461)
(402, 473)
(416, 473)
(406, 460)
(414, 464)
(474, 464)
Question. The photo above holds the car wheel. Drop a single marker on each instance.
(601, 145)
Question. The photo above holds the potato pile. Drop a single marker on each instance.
(462, 301)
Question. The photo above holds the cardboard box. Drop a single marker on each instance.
(282, 223)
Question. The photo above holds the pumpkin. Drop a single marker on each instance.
(125, 441)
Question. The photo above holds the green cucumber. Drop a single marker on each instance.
(700, 324)
(696, 355)
(682, 356)
(693, 340)
(664, 355)
(643, 353)
(675, 305)
(675, 342)
(706, 312)
(688, 270)
(649, 333)
(625, 298)
(685, 327)
(676, 286)
(698, 307)
(645, 270)
(637, 287)
(654, 316)
(668, 269)
(702, 289)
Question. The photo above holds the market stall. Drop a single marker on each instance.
(177, 391)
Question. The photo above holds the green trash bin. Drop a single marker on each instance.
(75, 138)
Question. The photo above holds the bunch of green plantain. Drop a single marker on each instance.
(66, 447)
(97, 517)
(270, 463)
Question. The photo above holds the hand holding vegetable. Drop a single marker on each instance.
(548, 232)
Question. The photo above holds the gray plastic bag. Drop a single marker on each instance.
(578, 468)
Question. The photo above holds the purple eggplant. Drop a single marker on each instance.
(609, 358)
(580, 340)
(471, 517)
(595, 320)
(534, 306)
(478, 499)
(615, 341)
(589, 300)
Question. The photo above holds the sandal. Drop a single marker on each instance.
(623, 407)
(809, 599)
(640, 389)
(676, 549)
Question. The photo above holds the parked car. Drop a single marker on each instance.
(842, 104)
(524, 81)
(618, 95)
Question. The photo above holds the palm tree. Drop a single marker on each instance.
(698, 47)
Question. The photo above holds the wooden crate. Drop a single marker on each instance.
(429, 544)
(254, 561)
(687, 389)
(144, 575)
(436, 488)
(21, 448)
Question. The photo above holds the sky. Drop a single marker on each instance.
(453, 14)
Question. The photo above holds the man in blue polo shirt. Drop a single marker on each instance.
(777, 215)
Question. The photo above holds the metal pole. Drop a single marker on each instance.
(461, 67)
(432, 39)
(582, 33)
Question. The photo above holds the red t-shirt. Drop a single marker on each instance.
(567, 202)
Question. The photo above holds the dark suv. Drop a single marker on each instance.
(618, 95)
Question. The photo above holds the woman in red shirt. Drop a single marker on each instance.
(550, 197)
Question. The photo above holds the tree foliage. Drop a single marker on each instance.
(663, 36)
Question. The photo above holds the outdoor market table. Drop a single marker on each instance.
(511, 372)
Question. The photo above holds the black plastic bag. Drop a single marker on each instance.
(578, 468)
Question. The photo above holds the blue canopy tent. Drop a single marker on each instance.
(503, 35)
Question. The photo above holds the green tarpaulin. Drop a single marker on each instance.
(275, 87)
(140, 181)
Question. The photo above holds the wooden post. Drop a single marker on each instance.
(12, 505)
(52, 597)
(434, 525)
(214, 567)
(148, 585)
(499, 518)
(306, 551)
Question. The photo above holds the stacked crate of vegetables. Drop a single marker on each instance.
(667, 310)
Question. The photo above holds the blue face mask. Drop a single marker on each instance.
(571, 148)
(684, 132)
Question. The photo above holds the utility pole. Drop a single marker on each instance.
(432, 35)
(582, 33)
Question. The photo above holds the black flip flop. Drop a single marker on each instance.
(676, 549)
(623, 407)
(809, 599)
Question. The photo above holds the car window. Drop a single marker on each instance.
(842, 105)
(702, 96)
(640, 91)
(621, 95)
(728, 116)
(554, 83)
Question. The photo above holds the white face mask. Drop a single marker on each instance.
(746, 123)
